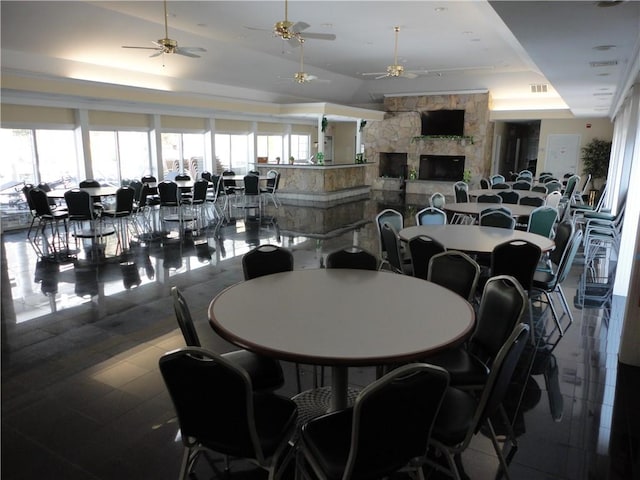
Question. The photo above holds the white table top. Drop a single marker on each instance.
(472, 238)
(341, 317)
(474, 208)
(93, 191)
(523, 193)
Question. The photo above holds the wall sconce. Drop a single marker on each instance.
(315, 144)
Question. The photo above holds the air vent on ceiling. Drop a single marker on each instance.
(604, 63)
(603, 94)
(539, 87)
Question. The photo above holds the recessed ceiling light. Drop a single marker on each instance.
(603, 74)
(440, 9)
(610, 3)
(604, 63)
(604, 48)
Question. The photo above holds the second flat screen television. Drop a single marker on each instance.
(443, 123)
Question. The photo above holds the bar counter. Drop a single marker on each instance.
(324, 183)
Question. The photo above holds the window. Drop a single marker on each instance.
(34, 156)
(300, 147)
(270, 146)
(232, 152)
(119, 156)
(183, 153)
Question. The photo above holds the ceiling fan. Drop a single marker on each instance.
(303, 77)
(168, 45)
(293, 32)
(395, 70)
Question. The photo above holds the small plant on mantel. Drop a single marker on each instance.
(462, 139)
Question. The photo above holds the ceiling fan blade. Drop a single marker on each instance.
(318, 36)
(409, 75)
(157, 54)
(369, 74)
(299, 26)
(258, 28)
(384, 75)
(192, 49)
(186, 53)
(141, 48)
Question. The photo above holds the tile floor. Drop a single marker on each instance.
(82, 396)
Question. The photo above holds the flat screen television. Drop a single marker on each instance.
(443, 122)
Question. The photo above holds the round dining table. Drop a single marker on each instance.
(473, 238)
(341, 318)
(523, 193)
(93, 191)
(474, 208)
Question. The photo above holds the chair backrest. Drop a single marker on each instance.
(145, 191)
(489, 198)
(525, 173)
(567, 260)
(501, 307)
(26, 191)
(168, 192)
(553, 199)
(79, 204)
(200, 188)
(213, 400)
(39, 202)
(542, 219)
(553, 186)
(391, 243)
(124, 199)
(272, 177)
(497, 218)
(183, 316)
(539, 188)
(455, 271)
(572, 184)
(431, 216)
(461, 192)
(251, 185)
(265, 260)
(137, 188)
(496, 179)
(253, 172)
(89, 182)
(500, 377)
(392, 420)
(485, 184)
(352, 257)
(500, 186)
(564, 233)
(521, 185)
(183, 177)
(148, 179)
(437, 200)
(510, 196)
(531, 201)
(388, 215)
(518, 258)
(421, 249)
(206, 175)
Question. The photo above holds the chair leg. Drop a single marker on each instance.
(494, 441)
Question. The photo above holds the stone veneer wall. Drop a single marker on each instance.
(402, 123)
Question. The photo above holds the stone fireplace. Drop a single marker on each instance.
(441, 168)
(400, 132)
(393, 165)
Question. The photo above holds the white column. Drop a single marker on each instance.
(83, 143)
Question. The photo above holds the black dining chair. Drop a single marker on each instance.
(219, 411)
(352, 257)
(387, 429)
(266, 373)
(464, 414)
(502, 305)
(422, 248)
(455, 271)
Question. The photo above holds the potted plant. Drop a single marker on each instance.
(595, 159)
